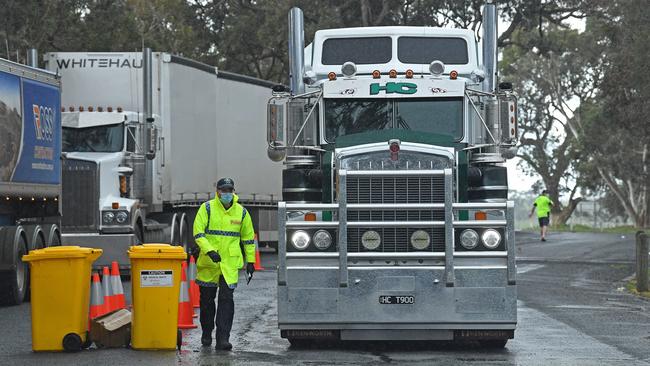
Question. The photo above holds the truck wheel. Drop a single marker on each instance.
(139, 233)
(16, 282)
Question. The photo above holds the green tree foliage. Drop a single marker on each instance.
(614, 127)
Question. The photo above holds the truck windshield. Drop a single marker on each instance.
(94, 139)
(443, 116)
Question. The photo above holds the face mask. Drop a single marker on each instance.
(225, 198)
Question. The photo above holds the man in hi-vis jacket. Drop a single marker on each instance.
(219, 227)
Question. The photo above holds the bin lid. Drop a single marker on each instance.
(62, 252)
(164, 251)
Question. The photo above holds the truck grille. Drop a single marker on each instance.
(80, 196)
(396, 190)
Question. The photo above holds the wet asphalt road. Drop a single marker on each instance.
(571, 312)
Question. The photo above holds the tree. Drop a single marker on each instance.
(613, 128)
(552, 82)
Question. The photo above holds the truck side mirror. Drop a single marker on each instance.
(276, 136)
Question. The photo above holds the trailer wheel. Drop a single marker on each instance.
(16, 282)
(494, 343)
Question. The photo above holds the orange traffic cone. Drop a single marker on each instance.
(258, 259)
(188, 273)
(184, 305)
(118, 289)
(97, 307)
(107, 290)
(195, 294)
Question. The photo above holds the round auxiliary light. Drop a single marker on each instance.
(453, 75)
(90, 109)
(371, 240)
(409, 74)
(436, 68)
(491, 238)
(71, 109)
(109, 109)
(349, 69)
(322, 239)
(121, 217)
(100, 109)
(376, 74)
(331, 75)
(392, 74)
(420, 239)
(300, 240)
(81, 108)
(108, 217)
(469, 239)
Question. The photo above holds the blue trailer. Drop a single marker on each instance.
(30, 171)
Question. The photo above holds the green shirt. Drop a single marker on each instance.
(543, 205)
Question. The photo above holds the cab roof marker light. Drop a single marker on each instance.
(392, 74)
(331, 76)
(453, 75)
(409, 74)
(376, 74)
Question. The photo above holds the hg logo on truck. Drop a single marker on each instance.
(43, 122)
(392, 87)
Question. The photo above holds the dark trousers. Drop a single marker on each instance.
(225, 310)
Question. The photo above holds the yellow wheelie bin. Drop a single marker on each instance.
(155, 278)
(60, 293)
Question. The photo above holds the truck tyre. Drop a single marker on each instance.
(139, 233)
(185, 233)
(53, 235)
(16, 281)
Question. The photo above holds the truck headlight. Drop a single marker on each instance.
(491, 238)
(300, 240)
(469, 239)
(371, 240)
(420, 240)
(322, 239)
(121, 217)
(108, 217)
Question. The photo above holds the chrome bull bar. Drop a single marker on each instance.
(449, 224)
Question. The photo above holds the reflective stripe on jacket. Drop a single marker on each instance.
(220, 230)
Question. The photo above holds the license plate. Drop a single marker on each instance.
(396, 300)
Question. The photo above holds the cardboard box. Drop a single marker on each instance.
(112, 330)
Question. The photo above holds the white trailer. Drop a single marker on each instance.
(145, 139)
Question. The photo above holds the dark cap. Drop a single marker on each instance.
(225, 183)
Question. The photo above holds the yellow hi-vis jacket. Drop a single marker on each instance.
(220, 230)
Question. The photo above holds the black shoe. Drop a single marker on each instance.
(543, 239)
(206, 339)
(224, 346)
